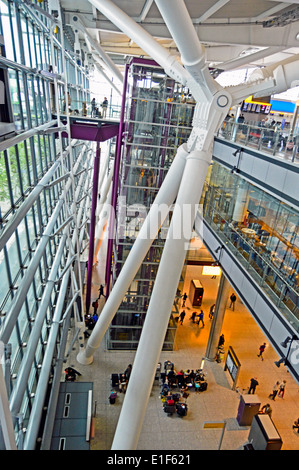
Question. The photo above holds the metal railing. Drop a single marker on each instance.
(278, 282)
(274, 141)
(83, 108)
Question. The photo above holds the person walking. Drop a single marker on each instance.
(233, 299)
(262, 349)
(281, 389)
(182, 316)
(212, 310)
(200, 318)
(95, 305)
(274, 391)
(101, 291)
(95, 317)
(253, 384)
(71, 374)
(185, 296)
(193, 317)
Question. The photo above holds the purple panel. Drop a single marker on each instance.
(140, 61)
(115, 183)
(92, 133)
(92, 225)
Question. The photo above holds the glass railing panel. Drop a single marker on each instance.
(273, 140)
(258, 262)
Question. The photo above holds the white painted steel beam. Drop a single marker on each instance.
(143, 242)
(77, 23)
(161, 302)
(210, 11)
(143, 39)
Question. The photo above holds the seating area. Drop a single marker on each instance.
(184, 380)
(175, 388)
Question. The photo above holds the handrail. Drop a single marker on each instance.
(17, 139)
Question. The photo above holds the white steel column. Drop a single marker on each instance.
(143, 242)
(160, 306)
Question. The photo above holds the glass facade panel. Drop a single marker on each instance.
(262, 233)
(28, 255)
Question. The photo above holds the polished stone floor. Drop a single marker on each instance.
(218, 403)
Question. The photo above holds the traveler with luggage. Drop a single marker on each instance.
(71, 374)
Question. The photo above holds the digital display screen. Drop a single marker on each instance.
(267, 110)
(231, 366)
(256, 107)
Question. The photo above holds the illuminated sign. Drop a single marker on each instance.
(211, 271)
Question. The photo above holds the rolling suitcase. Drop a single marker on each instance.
(169, 409)
(203, 386)
(114, 380)
(170, 402)
(112, 398)
(181, 409)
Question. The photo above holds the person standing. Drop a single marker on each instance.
(282, 388)
(182, 316)
(296, 425)
(266, 410)
(233, 299)
(128, 371)
(105, 106)
(193, 317)
(67, 103)
(262, 349)
(184, 299)
(253, 384)
(221, 341)
(93, 107)
(274, 391)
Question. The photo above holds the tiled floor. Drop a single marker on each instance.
(218, 403)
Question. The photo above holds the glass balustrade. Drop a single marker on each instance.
(273, 141)
(261, 231)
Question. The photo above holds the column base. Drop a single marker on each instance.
(83, 359)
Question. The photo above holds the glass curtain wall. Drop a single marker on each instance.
(158, 119)
(27, 158)
(261, 231)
